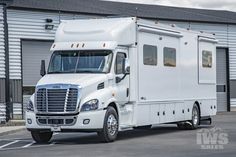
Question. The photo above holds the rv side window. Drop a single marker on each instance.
(149, 55)
(119, 67)
(169, 57)
(206, 59)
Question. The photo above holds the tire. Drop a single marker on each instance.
(195, 117)
(110, 126)
(41, 137)
(193, 123)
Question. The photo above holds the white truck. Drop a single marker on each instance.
(113, 74)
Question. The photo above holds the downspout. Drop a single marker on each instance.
(9, 106)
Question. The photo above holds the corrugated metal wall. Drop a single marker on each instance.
(2, 69)
(2, 51)
(232, 50)
(2, 113)
(28, 25)
(2, 100)
(16, 90)
(2, 90)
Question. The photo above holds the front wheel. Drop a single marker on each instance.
(110, 126)
(41, 137)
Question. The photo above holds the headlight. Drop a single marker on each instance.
(30, 106)
(90, 105)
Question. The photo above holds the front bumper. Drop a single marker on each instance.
(96, 120)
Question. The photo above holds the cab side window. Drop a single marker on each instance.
(120, 64)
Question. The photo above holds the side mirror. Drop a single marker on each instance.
(127, 70)
(126, 66)
(43, 69)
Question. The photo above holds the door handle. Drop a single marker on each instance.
(143, 98)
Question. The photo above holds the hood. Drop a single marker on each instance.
(78, 79)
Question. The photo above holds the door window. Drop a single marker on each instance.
(149, 55)
(169, 57)
(120, 63)
(206, 59)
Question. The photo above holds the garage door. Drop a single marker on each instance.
(221, 71)
(32, 54)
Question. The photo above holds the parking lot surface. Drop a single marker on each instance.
(216, 140)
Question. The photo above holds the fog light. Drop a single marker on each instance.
(29, 121)
(86, 121)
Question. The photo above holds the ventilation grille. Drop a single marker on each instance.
(100, 86)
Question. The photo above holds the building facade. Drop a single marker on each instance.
(27, 30)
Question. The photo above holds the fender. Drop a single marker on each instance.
(104, 97)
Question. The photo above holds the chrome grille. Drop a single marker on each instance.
(41, 100)
(56, 100)
(72, 99)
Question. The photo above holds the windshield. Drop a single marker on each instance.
(94, 61)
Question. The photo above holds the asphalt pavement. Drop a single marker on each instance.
(218, 140)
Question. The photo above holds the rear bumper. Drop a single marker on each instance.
(96, 119)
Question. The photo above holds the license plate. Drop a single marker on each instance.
(55, 128)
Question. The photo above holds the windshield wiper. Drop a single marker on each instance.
(85, 71)
(59, 72)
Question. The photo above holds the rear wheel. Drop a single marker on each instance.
(194, 122)
(41, 137)
(110, 126)
(195, 117)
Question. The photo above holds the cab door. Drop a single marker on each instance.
(121, 79)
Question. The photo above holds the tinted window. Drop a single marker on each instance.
(97, 61)
(169, 56)
(119, 67)
(149, 55)
(206, 59)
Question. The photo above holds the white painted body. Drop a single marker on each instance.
(157, 94)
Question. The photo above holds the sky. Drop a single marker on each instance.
(208, 4)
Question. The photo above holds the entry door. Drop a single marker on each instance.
(221, 73)
(159, 68)
(122, 87)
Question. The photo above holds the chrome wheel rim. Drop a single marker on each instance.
(195, 116)
(112, 124)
